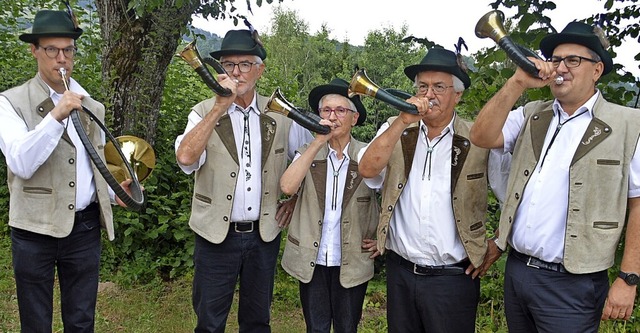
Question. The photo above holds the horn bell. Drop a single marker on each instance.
(490, 25)
(278, 103)
(140, 156)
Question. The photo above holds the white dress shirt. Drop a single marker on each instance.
(329, 250)
(540, 221)
(247, 196)
(25, 151)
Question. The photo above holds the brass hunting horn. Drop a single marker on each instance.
(134, 201)
(361, 84)
(490, 25)
(139, 154)
(192, 57)
(309, 120)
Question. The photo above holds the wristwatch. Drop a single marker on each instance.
(631, 279)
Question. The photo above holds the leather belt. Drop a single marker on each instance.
(453, 269)
(243, 226)
(537, 263)
(91, 212)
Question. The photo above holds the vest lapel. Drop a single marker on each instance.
(596, 132)
(225, 132)
(409, 140)
(268, 131)
(539, 126)
(459, 152)
(351, 184)
(319, 177)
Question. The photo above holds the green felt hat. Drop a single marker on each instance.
(439, 60)
(339, 87)
(51, 23)
(577, 33)
(239, 42)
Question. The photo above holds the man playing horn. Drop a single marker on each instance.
(434, 202)
(58, 198)
(238, 154)
(569, 154)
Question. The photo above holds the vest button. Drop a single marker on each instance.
(313, 165)
(71, 206)
(319, 222)
(315, 244)
(312, 264)
(72, 184)
(400, 185)
(71, 161)
(41, 109)
(526, 172)
(233, 175)
(390, 208)
(607, 129)
(517, 196)
(384, 230)
(225, 219)
(229, 197)
(536, 117)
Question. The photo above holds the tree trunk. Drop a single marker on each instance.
(137, 52)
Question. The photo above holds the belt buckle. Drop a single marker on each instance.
(529, 264)
(243, 231)
(415, 270)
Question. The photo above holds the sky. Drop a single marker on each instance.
(442, 21)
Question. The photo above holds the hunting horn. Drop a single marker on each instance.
(309, 120)
(192, 57)
(490, 25)
(361, 84)
(134, 201)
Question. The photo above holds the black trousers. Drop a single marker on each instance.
(539, 300)
(430, 303)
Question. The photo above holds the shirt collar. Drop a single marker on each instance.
(345, 151)
(588, 105)
(252, 107)
(425, 129)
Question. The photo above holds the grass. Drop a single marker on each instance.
(166, 306)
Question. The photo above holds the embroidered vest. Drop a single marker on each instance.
(469, 186)
(598, 181)
(45, 203)
(360, 212)
(215, 181)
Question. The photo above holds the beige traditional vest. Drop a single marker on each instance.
(468, 183)
(215, 181)
(359, 220)
(45, 203)
(598, 181)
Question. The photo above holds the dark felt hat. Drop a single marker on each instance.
(439, 60)
(239, 42)
(339, 87)
(577, 33)
(51, 23)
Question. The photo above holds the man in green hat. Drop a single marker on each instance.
(434, 203)
(58, 198)
(330, 247)
(238, 154)
(575, 174)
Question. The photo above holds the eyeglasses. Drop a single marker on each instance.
(244, 67)
(339, 111)
(52, 51)
(570, 61)
(437, 89)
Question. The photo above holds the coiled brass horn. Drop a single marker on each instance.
(134, 200)
(490, 25)
(277, 103)
(139, 153)
(361, 84)
(192, 57)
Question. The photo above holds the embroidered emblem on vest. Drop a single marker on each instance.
(457, 153)
(596, 132)
(269, 131)
(354, 175)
